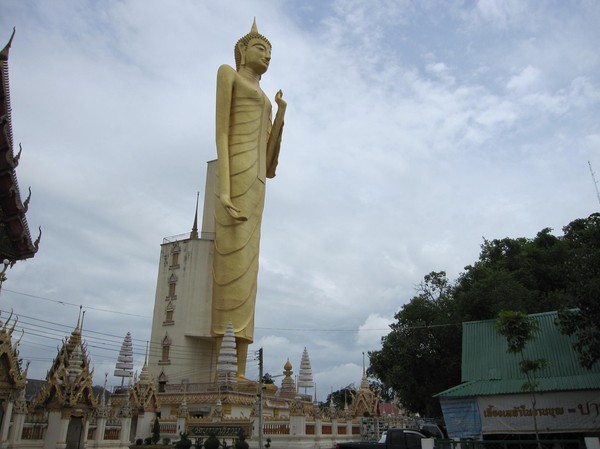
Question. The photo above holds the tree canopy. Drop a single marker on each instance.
(421, 355)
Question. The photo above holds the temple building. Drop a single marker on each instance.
(15, 239)
(15, 244)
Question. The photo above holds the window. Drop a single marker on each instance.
(169, 314)
(172, 284)
(166, 346)
(175, 260)
(162, 381)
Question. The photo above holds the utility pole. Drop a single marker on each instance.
(595, 182)
(260, 399)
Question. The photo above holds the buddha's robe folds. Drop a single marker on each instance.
(235, 259)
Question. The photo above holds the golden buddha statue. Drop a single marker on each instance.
(247, 148)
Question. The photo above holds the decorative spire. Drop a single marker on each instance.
(194, 234)
(182, 411)
(288, 386)
(74, 365)
(227, 361)
(75, 338)
(20, 406)
(124, 365)
(144, 373)
(102, 409)
(364, 384)
(331, 403)
(305, 377)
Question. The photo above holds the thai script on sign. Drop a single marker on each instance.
(522, 411)
(585, 409)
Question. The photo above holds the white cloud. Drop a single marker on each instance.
(524, 80)
(370, 332)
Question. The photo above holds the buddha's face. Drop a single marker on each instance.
(257, 56)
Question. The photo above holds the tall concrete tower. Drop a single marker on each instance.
(181, 347)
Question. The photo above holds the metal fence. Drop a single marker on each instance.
(510, 444)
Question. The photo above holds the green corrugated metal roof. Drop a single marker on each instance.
(487, 368)
(511, 386)
(484, 353)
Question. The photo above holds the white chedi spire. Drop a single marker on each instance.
(124, 365)
(227, 361)
(305, 377)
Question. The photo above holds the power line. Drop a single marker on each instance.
(67, 303)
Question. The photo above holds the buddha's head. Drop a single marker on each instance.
(254, 51)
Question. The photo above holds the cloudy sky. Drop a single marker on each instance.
(414, 129)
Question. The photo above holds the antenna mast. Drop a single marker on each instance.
(595, 182)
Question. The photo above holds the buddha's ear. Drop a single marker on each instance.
(242, 49)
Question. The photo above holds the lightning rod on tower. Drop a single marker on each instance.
(595, 182)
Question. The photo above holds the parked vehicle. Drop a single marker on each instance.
(394, 439)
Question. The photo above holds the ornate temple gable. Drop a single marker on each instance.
(15, 238)
(69, 381)
(143, 396)
(12, 378)
(365, 401)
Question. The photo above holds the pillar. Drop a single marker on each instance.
(56, 433)
(298, 425)
(124, 436)
(318, 427)
(181, 422)
(16, 430)
(100, 428)
(5, 425)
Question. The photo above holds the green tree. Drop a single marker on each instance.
(418, 357)
(583, 270)
(528, 272)
(155, 431)
(341, 397)
(519, 329)
(267, 379)
(385, 392)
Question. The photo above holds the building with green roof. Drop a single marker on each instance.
(491, 401)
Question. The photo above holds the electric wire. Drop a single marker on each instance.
(106, 347)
